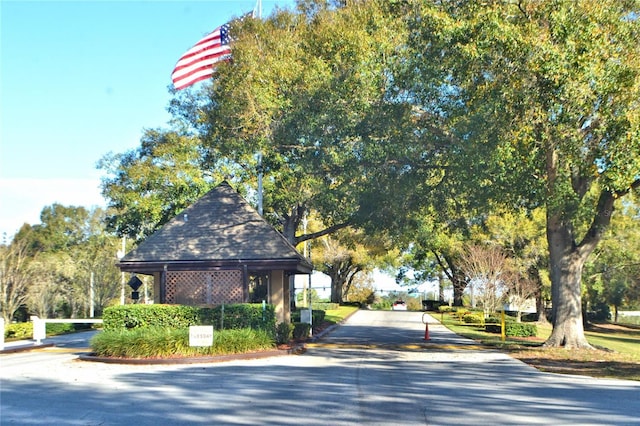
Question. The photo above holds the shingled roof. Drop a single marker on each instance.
(219, 230)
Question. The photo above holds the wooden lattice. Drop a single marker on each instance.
(204, 287)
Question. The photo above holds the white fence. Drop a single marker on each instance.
(40, 327)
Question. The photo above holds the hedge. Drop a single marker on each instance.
(514, 329)
(168, 342)
(236, 316)
(317, 316)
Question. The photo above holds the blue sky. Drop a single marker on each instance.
(80, 79)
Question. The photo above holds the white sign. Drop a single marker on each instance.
(305, 316)
(201, 335)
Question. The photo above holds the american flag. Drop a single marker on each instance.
(197, 63)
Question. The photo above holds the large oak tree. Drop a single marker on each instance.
(538, 101)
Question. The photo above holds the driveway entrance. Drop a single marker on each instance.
(375, 369)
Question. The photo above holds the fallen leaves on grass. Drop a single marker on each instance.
(583, 362)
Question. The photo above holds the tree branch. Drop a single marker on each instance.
(601, 220)
(326, 231)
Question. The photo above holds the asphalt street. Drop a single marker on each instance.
(375, 369)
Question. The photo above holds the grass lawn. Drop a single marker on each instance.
(616, 353)
(335, 316)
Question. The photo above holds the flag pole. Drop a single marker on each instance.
(257, 10)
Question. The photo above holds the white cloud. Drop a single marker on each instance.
(22, 199)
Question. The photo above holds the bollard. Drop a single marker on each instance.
(39, 329)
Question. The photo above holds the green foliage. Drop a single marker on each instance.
(472, 318)
(514, 329)
(326, 306)
(460, 313)
(64, 253)
(148, 186)
(60, 328)
(301, 330)
(446, 308)
(284, 332)
(124, 317)
(18, 331)
(167, 342)
(24, 330)
(317, 316)
(521, 329)
(236, 316)
(382, 304)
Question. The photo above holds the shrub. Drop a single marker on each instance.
(520, 329)
(327, 306)
(18, 331)
(24, 330)
(317, 316)
(513, 329)
(301, 330)
(228, 317)
(60, 328)
(461, 312)
(284, 332)
(383, 305)
(445, 308)
(472, 319)
(167, 342)
(126, 317)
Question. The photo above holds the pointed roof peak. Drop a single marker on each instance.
(221, 228)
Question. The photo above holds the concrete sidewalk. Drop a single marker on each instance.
(78, 339)
(23, 345)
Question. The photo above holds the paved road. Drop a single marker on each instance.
(375, 369)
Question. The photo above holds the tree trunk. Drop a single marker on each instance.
(541, 308)
(336, 290)
(566, 264)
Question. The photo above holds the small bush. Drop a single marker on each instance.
(445, 308)
(301, 330)
(317, 316)
(383, 305)
(60, 328)
(284, 332)
(461, 312)
(166, 342)
(18, 331)
(513, 329)
(520, 329)
(472, 319)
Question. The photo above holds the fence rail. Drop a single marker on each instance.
(40, 325)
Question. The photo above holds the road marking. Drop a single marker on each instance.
(396, 346)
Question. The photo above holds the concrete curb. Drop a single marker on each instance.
(25, 348)
(192, 360)
(295, 350)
